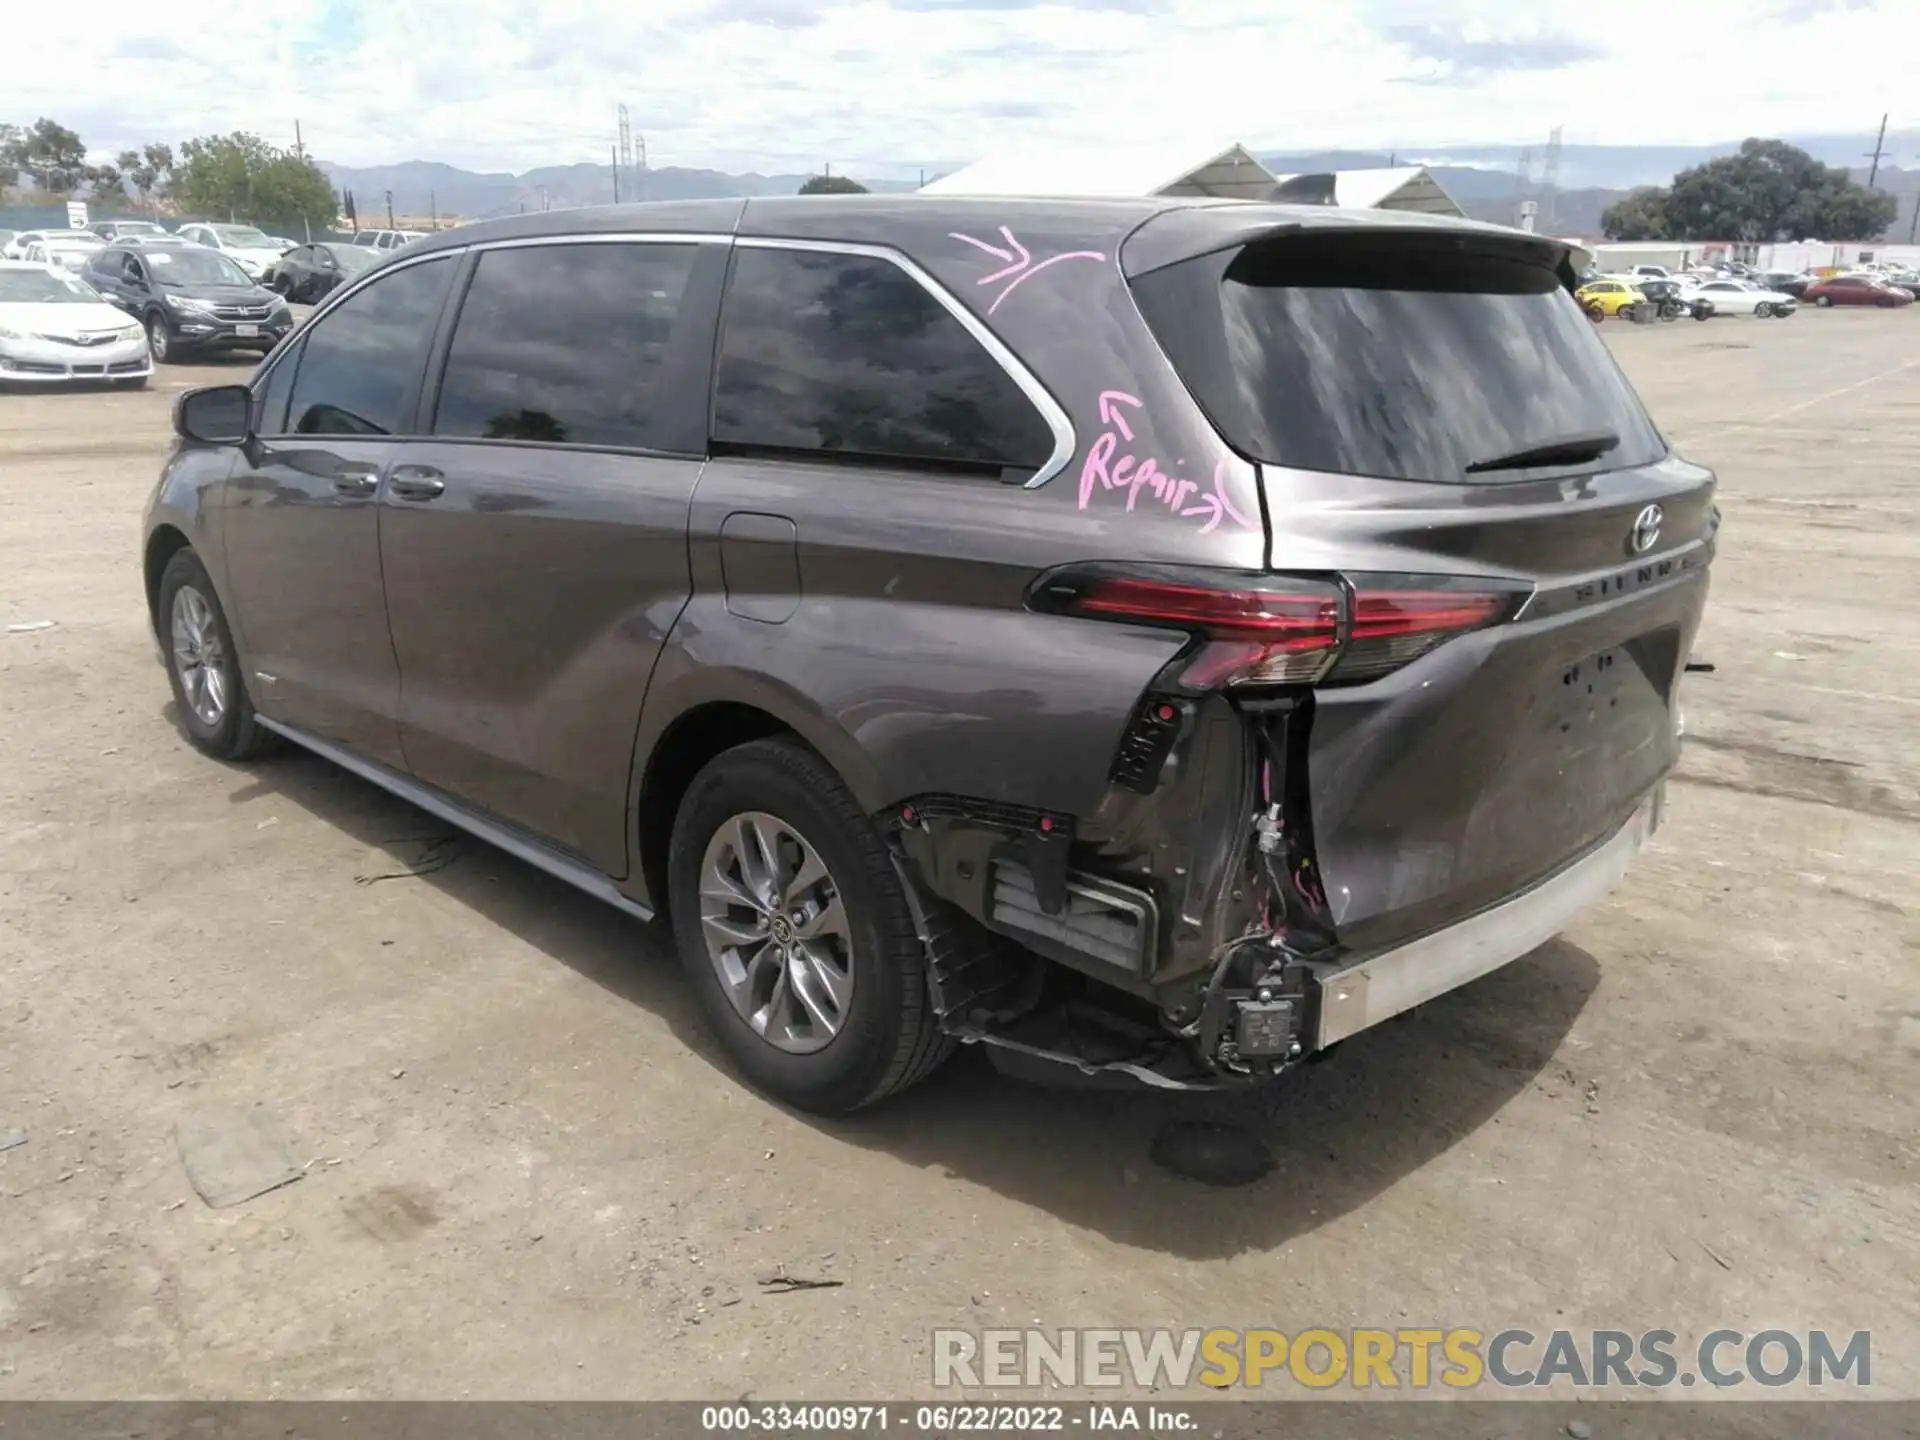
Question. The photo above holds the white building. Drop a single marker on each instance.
(1405, 187)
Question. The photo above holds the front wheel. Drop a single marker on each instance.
(795, 932)
(1596, 312)
(159, 338)
(202, 663)
(1823, 301)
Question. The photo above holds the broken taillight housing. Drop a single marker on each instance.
(1260, 629)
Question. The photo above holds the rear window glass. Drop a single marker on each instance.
(1370, 355)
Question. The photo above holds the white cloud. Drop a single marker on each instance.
(884, 88)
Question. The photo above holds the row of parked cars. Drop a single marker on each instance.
(106, 303)
(1734, 289)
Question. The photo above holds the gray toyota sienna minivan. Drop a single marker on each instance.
(1159, 638)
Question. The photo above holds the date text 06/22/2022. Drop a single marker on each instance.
(950, 1419)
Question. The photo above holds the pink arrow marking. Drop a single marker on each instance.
(1110, 403)
(993, 250)
(1026, 259)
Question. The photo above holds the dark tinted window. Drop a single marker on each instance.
(361, 363)
(1377, 355)
(850, 355)
(270, 395)
(565, 344)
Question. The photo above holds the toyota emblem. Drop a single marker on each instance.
(1646, 530)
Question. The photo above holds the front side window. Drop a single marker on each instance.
(848, 355)
(564, 344)
(360, 364)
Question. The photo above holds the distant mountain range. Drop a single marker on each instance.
(1485, 179)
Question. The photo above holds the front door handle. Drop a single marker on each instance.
(416, 482)
(356, 482)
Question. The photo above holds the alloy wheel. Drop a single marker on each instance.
(776, 932)
(157, 338)
(199, 659)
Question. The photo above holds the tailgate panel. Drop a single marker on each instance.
(1493, 761)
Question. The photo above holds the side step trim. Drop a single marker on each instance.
(444, 807)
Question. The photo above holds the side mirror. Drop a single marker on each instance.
(214, 414)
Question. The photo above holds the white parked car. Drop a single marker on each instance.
(1742, 297)
(252, 249)
(65, 251)
(387, 239)
(17, 247)
(55, 327)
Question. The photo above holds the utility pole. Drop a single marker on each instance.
(299, 147)
(433, 209)
(1879, 145)
(390, 224)
(616, 174)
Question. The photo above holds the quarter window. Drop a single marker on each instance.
(848, 355)
(567, 344)
(360, 365)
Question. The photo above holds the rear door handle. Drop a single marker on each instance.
(356, 482)
(416, 482)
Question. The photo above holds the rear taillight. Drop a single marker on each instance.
(1279, 629)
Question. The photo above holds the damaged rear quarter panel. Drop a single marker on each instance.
(911, 634)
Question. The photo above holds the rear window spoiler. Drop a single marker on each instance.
(1189, 231)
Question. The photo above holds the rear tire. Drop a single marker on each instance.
(734, 921)
(1763, 311)
(204, 668)
(1823, 301)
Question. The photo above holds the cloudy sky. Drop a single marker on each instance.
(883, 86)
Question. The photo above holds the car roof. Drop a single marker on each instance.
(1185, 226)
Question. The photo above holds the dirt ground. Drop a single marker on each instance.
(529, 1172)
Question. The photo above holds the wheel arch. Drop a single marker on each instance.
(707, 714)
(163, 544)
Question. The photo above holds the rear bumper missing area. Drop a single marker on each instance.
(1364, 994)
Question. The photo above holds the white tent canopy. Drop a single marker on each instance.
(1226, 173)
(1406, 187)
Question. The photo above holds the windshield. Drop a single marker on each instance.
(138, 227)
(1380, 355)
(43, 287)
(194, 267)
(244, 236)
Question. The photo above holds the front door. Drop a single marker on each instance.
(535, 548)
(301, 521)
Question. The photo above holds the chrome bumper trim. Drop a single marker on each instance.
(1362, 995)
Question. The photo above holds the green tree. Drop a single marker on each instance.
(107, 183)
(52, 154)
(832, 185)
(12, 156)
(1640, 215)
(1768, 191)
(242, 177)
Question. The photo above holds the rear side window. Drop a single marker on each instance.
(1377, 355)
(566, 344)
(359, 365)
(848, 355)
